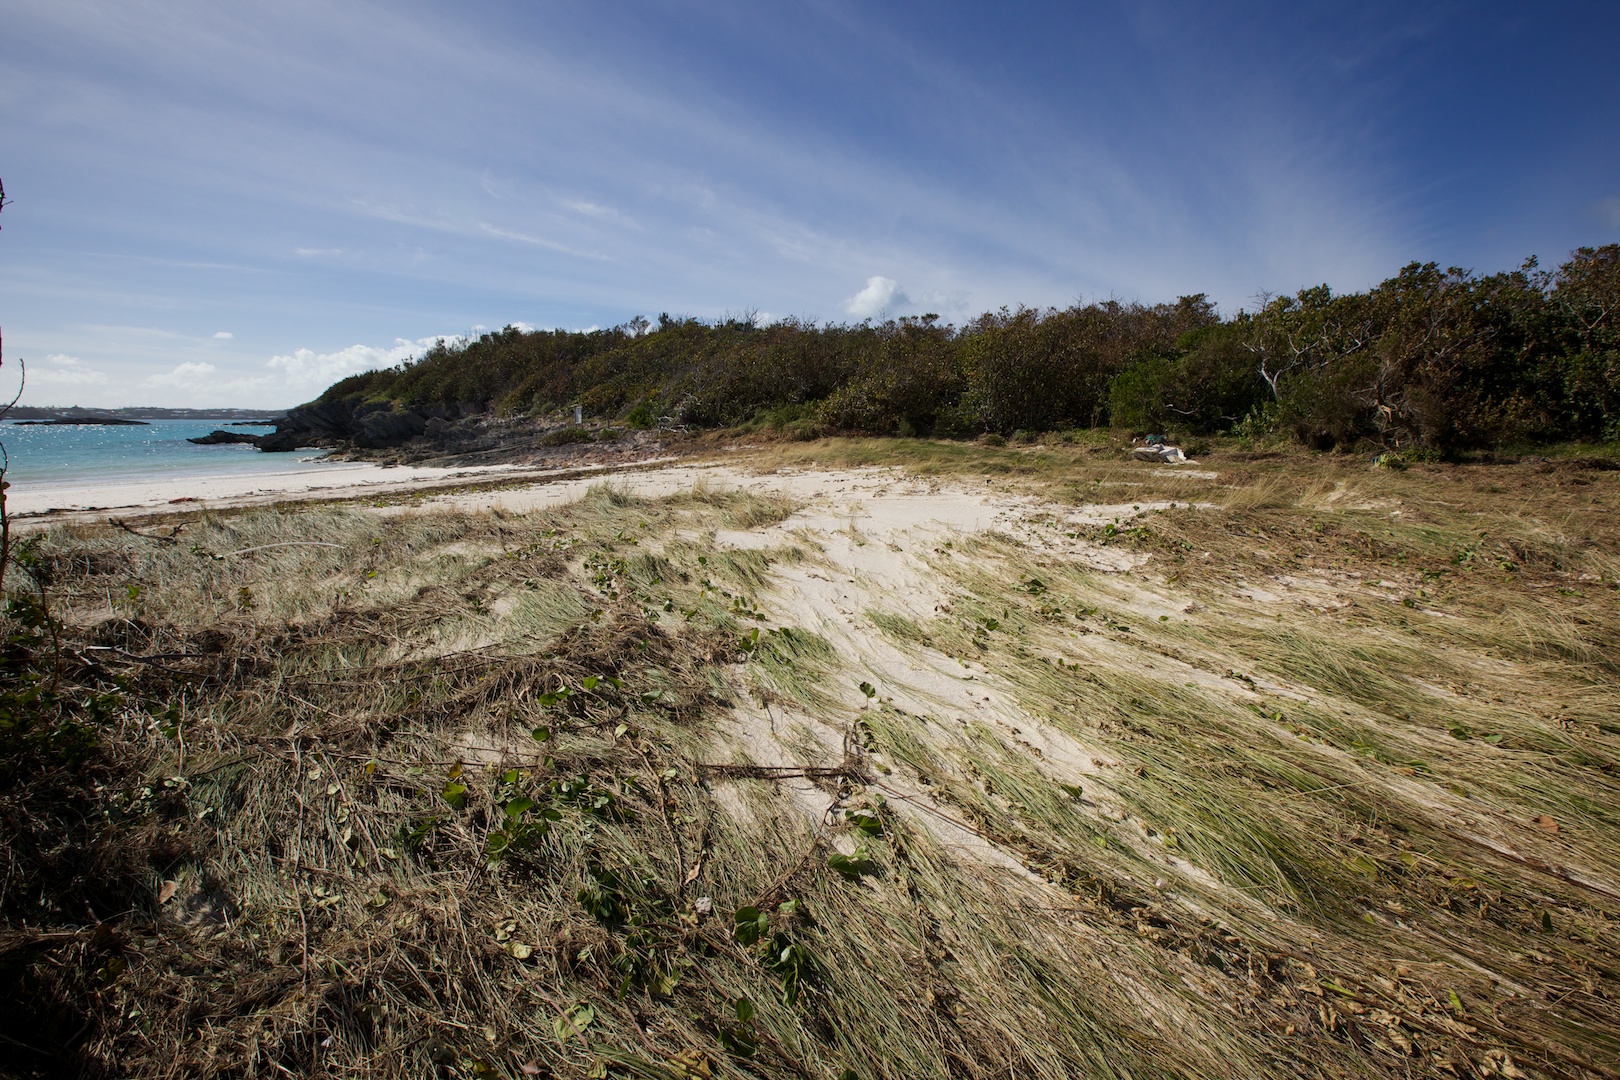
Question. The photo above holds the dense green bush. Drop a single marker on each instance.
(1053, 369)
(1444, 360)
(1207, 383)
(1586, 314)
(907, 379)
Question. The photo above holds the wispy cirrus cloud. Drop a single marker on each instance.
(703, 162)
(600, 213)
(540, 241)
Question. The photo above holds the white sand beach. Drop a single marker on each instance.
(337, 480)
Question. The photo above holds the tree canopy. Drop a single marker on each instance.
(1436, 358)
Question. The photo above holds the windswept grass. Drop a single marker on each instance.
(1314, 779)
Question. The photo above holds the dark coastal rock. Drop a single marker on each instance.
(217, 437)
(363, 425)
(277, 442)
(388, 428)
(321, 423)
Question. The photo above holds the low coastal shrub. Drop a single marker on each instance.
(565, 436)
(1442, 359)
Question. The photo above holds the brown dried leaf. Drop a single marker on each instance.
(166, 893)
(1545, 822)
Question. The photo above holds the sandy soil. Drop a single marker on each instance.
(872, 531)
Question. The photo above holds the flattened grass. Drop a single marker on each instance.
(454, 794)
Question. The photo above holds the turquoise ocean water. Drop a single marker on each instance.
(70, 456)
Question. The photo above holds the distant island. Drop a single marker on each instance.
(110, 421)
(76, 414)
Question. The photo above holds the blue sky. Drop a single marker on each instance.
(238, 203)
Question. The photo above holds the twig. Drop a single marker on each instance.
(780, 883)
(298, 860)
(1341, 787)
(28, 1046)
(5, 518)
(150, 661)
(56, 637)
(170, 539)
(844, 771)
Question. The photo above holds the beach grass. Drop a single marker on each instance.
(1273, 765)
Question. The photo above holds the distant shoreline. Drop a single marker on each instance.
(81, 414)
(107, 421)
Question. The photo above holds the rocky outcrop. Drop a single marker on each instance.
(379, 428)
(278, 442)
(219, 437)
(362, 425)
(448, 436)
(321, 423)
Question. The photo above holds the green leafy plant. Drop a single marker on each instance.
(778, 951)
(854, 866)
(740, 1038)
(523, 821)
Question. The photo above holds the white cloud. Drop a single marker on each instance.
(1609, 210)
(539, 241)
(63, 370)
(527, 328)
(881, 296)
(600, 213)
(224, 335)
(308, 370)
(307, 253)
(185, 376)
